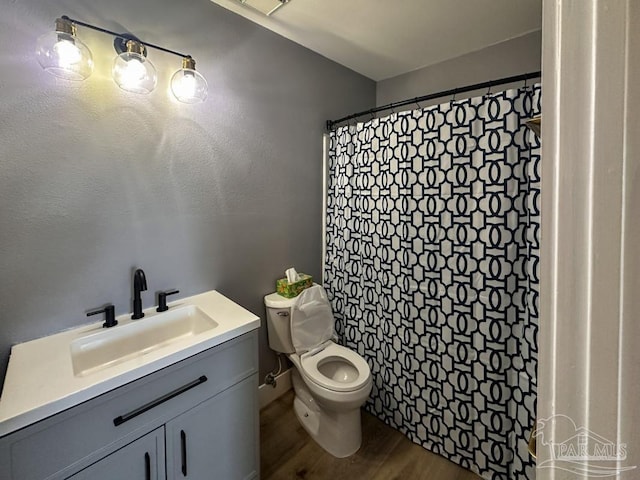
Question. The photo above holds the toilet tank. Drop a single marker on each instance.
(279, 322)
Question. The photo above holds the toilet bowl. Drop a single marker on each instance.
(331, 382)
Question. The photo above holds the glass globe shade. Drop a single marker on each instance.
(134, 73)
(188, 86)
(64, 55)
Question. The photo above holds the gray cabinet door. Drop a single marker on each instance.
(142, 459)
(218, 439)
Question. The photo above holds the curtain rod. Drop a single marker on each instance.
(331, 124)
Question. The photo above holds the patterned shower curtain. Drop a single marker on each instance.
(433, 232)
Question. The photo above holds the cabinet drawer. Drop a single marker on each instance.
(77, 437)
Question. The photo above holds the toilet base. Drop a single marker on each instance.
(339, 433)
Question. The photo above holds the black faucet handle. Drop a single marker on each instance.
(109, 315)
(162, 300)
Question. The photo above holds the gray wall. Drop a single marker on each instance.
(95, 181)
(512, 57)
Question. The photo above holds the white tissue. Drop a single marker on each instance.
(292, 275)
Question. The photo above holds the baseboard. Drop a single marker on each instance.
(267, 394)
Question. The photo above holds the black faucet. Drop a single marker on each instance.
(139, 285)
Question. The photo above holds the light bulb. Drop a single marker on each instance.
(63, 54)
(132, 71)
(187, 85)
(68, 53)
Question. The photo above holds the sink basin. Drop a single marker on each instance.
(137, 338)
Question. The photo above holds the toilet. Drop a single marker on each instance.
(330, 381)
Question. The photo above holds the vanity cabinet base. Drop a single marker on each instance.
(211, 398)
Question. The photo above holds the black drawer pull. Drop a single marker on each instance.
(139, 411)
(147, 466)
(183, 451)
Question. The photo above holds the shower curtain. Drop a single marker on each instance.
(433, 227)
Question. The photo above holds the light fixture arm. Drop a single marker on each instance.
(120, 35)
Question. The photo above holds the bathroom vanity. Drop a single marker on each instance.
(187, 410)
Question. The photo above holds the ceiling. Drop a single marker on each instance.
(385, 38)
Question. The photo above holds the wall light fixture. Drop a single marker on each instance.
(187, 85)
(131, 69)
(64, 55)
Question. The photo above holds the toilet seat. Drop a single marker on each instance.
(353, 369)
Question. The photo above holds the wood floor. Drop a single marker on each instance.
(288, 453)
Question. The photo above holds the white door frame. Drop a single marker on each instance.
(589, 338)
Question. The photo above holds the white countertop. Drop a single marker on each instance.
(40, 380)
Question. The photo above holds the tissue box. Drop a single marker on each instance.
(290, 290)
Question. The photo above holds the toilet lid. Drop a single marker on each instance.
(311, 320)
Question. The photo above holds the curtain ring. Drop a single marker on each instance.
(453, 97)
(489, 89)
(418, 103)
